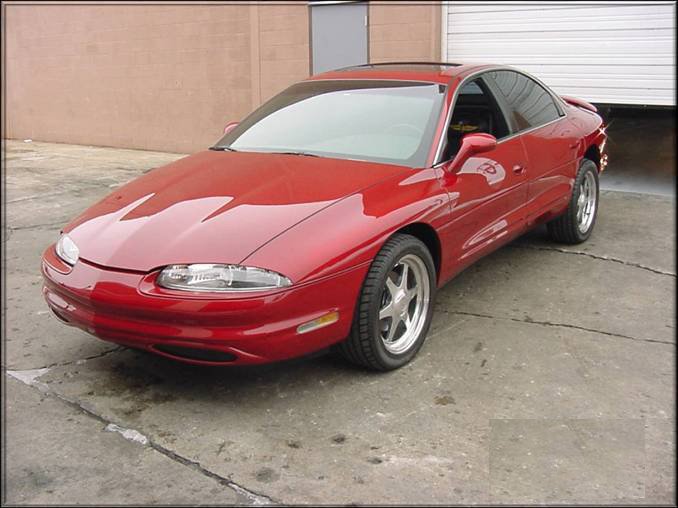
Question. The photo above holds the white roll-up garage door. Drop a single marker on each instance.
(603, 52)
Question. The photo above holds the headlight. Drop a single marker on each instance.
(207, 277)
(67, 250)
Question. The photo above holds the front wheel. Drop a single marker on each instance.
(576, 224)
(394, 309)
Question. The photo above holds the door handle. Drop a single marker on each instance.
(518, 169)
(574, 146)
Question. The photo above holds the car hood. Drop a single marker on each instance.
(214, 207)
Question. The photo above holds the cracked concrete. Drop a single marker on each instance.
(594, 256)
(80, 361)
(548, 377)
(31, 378)
(549, 287)
(651, 218)
(62, 453)
(251, 497)
(562, 325)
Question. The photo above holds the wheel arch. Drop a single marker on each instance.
(593, 154)
(429, 237)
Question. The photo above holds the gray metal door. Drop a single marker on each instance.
(338, 35)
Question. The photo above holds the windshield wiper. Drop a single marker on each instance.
(223, 148)
(305, 154)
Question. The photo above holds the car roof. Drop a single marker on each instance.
(435, 72)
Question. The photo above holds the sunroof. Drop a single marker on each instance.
(398, 66)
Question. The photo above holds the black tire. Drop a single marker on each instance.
(364, 345)
(565, 229)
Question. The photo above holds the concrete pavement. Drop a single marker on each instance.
(548, 377)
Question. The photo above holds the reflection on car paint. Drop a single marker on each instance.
(492, 170)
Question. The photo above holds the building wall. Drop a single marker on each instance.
(284, 47)
(404, 32)
(151, 77)
(169, 77)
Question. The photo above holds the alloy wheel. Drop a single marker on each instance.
(404, 304)
(587, 202)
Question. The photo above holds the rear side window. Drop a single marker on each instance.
(531, 105)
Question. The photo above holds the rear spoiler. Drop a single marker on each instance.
(579, 103)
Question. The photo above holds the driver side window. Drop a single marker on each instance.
(475, 110)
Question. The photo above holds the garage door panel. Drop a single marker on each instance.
(648, 72)
(573, 63)
(611, 96)
(508, 8)
(547, 48)
(621, 53)
(601, 82)
(612, 38)
(572, 13)
(630, 23)
(585, 48)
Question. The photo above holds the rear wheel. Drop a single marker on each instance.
(395, 306)
(576, 224)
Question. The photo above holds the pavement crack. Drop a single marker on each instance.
(35, 226)
(37, 196)
(71, 362)
(92, 357)
(595, 256)
(44, 195)
(561, 325)
(256, 499)
(30, 378)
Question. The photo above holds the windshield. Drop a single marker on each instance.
(381, 121)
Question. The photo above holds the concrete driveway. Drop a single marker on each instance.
(548, 377)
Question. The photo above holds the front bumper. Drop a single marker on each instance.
(126, 308)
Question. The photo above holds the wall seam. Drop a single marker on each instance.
(255, 55)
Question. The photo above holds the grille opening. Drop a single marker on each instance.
(205, 355)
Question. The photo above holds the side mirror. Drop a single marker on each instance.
(471, 144)
(230, 126)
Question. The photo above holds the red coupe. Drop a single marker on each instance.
(330, 216)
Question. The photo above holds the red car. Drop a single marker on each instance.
(330, 216)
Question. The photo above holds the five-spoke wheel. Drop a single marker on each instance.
(576, 224)
(395, 306)
(404, 303)
(587, 201)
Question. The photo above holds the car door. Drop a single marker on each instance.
(488, 195)
(550, 141)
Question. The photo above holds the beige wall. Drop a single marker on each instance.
(169, 77)
(165, 77)
(404, 32)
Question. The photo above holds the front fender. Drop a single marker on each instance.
(351, 232)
